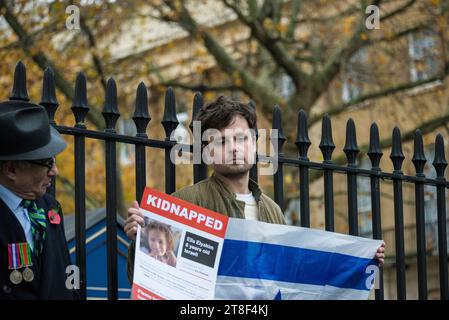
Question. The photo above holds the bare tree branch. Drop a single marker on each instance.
(93, 46)
(101, 74)
(401, 33)
(43, 61)
(373, 95)
(425, 128)
(53, 26)
(200, 87)
(249, 84)
(278, 52)
(333, 65)
(296, 5)
(347, 12)
(398, 10)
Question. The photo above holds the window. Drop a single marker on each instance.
(430, 204)
(353, 76)
(292, 213)
(364, 201)
(423, 52)
(285, 86)
(126, 151)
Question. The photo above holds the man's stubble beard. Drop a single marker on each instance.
(233, 172)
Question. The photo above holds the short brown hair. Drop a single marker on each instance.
(218, 114)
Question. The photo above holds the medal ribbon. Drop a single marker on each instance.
(25, 254)
(14, 256)
(10, 258)
(19, 255)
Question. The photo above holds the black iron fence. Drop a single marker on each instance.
(141, 141)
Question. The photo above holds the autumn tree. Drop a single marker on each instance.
(316, 55)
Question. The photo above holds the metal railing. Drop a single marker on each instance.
(141, 141)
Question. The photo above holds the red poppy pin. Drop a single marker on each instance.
(54, 217)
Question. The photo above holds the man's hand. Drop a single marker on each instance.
(380, 255)
(135, 218)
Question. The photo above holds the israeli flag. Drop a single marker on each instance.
(262, 261)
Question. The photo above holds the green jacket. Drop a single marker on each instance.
(214, 195)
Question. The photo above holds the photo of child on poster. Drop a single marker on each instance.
(160, 241)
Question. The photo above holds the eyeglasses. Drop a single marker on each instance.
(49, 163)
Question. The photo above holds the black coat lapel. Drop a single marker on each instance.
(55, 257)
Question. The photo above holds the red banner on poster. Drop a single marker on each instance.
(184, 212)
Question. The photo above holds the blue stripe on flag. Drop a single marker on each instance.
(290, 264)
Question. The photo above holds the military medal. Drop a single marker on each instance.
(15, 277)
(28, 275)
(19, 255)
(14, 263)
(25, 254)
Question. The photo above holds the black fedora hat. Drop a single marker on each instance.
(25, 132)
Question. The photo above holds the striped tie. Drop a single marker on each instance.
(38, 224)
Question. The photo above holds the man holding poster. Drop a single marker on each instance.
(229, 190)
(187, 238)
